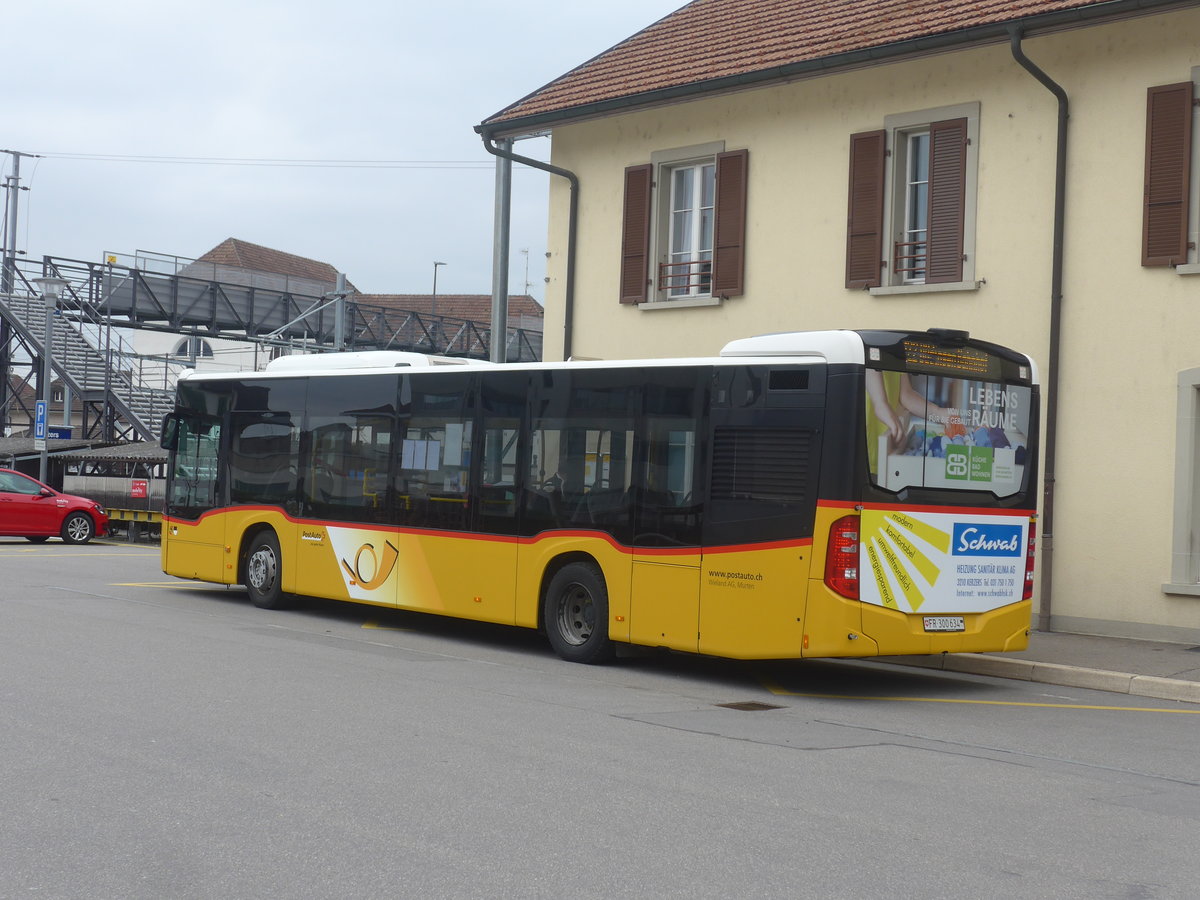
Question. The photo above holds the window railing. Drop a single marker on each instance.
(685, 279)
(909, 260)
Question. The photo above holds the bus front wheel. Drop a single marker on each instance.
(264, 571)
(575, 612)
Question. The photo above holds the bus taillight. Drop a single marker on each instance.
(1027, 593)
(841, 557)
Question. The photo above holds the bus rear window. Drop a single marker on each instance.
(940, 431)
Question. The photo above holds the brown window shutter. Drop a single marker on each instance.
(947, 200)
(729, 241)
(1168, 174)
(864, 230)
(635, 234)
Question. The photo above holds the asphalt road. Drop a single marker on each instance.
(161, 739)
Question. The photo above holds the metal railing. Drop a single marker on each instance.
(266, 305)
(687, 278)
(909, 260)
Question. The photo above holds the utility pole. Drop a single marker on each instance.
(339, 313)
(528, 283)
(8, 280)
(434, 330)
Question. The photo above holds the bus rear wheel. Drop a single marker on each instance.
(575, 612)
(263, 572)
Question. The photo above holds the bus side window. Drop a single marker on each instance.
(262, 459)
(502, 401)
(435, 450)
(667, 508)
(434, 472)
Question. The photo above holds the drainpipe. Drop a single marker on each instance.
(572, 228)
(500, 245)
(1056, 297)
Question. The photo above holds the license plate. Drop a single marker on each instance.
(945, 623)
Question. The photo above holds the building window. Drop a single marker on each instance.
(1185, 546)
(688, 269)
(912, 202)
(684, 226)
(911, 249)
(1170, 205)
(193, 346)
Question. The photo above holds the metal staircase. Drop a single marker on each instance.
(121, 407)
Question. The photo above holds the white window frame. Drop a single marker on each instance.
(665, 162)
(899, 127)
(1185, 540)
(183, 349)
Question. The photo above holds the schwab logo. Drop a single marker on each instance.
(987, 540)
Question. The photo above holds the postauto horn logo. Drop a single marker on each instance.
(369, 571)
(986, 540)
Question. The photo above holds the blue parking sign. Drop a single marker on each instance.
(39, 421)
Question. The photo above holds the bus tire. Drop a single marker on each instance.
(575, 613)
(264, 570)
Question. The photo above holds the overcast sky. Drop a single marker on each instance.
(355, 80)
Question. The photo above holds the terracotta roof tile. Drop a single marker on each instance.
(244, 255)
(468, 307)
(713, 39)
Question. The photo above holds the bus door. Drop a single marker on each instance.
(194, 547)
(497, 498)
(766, 446)
(669, 470)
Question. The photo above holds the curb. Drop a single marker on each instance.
(1054, 673)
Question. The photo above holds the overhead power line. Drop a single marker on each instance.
(280, 163)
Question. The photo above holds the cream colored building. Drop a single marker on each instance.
(837, 107)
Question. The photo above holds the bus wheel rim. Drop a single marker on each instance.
(260, 570)
(576, 614)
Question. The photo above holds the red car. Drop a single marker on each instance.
(35, 512)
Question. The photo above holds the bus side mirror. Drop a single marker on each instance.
(169, 438)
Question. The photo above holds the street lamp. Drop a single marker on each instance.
(433, 325)
(51, 287)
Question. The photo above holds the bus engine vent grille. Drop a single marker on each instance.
(761, 463)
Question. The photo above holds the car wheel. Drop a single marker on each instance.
(37, 538)
(78, 528)
(575, 608)
(264, 568)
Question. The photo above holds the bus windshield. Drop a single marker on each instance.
(944, 423)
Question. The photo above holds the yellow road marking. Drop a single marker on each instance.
(780, 691)
(374, 624)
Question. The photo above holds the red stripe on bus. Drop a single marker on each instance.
(557, 534)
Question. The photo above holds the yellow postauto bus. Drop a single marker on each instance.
(810, 494)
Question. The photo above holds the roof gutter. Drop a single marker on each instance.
(489, 144)
(982, 34)
(1056, 300)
